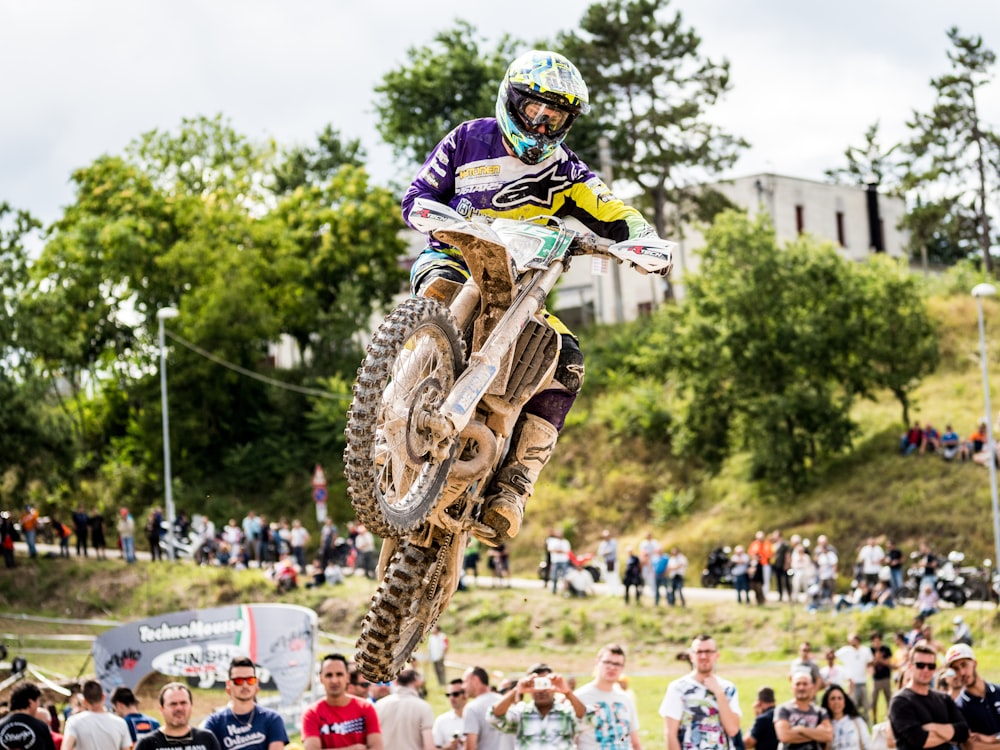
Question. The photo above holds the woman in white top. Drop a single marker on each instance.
(803, 571)
(850, 732)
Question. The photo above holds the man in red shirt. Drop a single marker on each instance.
(341, 719)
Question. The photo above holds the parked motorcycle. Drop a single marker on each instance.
(718, 571)
(580, 562)
(949, 583)
(436, 400)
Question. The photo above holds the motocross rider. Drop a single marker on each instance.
(514, 165)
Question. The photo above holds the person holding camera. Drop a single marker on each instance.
(544, 723)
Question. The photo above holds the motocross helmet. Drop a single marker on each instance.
(539, 89)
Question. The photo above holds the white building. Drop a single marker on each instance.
(858, 221)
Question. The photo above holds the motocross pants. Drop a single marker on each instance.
(551, 404)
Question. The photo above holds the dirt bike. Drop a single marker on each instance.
(435, 402)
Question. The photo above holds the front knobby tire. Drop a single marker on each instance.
(403, 609)
(395, 469)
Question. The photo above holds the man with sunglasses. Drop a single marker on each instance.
(449, 732)
(922, 717)
(242, 724)
(514, 165)
(358, 686)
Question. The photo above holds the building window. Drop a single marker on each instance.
(645, 309)
(840, 229)
(800, 218)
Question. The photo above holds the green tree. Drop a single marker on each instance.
(774, 345)
(897, 342)
(443, 84)
(651, 89)
(955, 154)
(192, 219)
(33, 442)
(316, 165)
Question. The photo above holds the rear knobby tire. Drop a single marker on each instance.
(400, 614)
(393, 478)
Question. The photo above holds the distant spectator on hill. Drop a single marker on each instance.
(974, 445)
(365, 545)
(126, 534)
(607, 551)
(81, 527)
(912, 439)
(29, 528)
(963, 633)
(870, 558)
(153, 529)
(932, 440)
(327, 540)
(63, 533)
(299, 539)
(761, 548)
(927, 601)
(950, 443)
(633, 576)
(8, 535)
(741, 573)
(97, 537)
(676, 570)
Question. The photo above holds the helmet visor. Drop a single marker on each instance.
(536, 113)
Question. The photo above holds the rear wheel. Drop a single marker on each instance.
(953, 594)
(403, 609)
(395, 468)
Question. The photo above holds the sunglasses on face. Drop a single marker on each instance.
(243, 680)
(924, 665)
(455, 695)
(365, 685)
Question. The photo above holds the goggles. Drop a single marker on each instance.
(536, 112)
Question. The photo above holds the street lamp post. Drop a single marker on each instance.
(162, 314)
(980, 291)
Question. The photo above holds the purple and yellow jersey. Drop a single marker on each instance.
(471, 171)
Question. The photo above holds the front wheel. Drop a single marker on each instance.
(395, 468)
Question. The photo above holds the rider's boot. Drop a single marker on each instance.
(531, 447)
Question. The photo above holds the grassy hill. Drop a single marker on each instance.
(598, 480)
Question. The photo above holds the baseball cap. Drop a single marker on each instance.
(539, 668)
(957, 652)
(957, 620)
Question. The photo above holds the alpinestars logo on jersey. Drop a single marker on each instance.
(537, 188)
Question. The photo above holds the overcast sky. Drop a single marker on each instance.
(83, 78)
